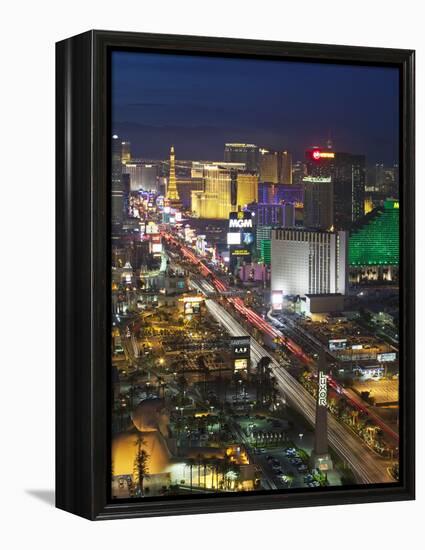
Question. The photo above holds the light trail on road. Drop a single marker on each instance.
(264, 326)
(367, 467)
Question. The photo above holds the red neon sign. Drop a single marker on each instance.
(317, 154)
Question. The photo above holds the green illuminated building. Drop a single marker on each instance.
(266, 256)
(374, 241)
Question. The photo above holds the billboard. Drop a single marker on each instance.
(192, 308)
(277, 299)
(240, 346)
(385, 357)
(240, 237)
(151, 228)
(240, 220)
(337, 345)
(240, 364)
(240, 252)
(156, 248)
(248, 238)
(233, 238)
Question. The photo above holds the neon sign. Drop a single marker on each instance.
(323, 390)
(239, 224)
(317, 154)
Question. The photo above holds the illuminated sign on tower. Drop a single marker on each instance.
(317, 154)
(240, 237)
(240, 347)
(320, 457)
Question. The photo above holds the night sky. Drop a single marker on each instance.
(199, 103)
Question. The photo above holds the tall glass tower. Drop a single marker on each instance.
(117, 191)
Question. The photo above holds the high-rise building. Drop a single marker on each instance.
(389, 186)
(125, 152)
(117, 199)
(275, 166)
(134, 169)
(265, 251)
(379, 176)
(272, 193)
(318, 202)
(242, 152)
(299, 171)
(246, 189)
(396, 189)
(225, 190)
(142, 175)
(149, 179)
(197, 168)
(308, 262)
(262, 233)
(269, 166)
(285, 169)
(126, 189)
(278, 215)
(185, 186)
(348, 176)
(374, 244)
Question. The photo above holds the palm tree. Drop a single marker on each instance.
(214, 465)
(190, 464)
(141, 460)
(199, 461)
(205, 463)
(232, 475)
(289, 480)
(182, 386)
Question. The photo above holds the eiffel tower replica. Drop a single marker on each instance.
(172, 195)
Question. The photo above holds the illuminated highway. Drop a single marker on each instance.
(366, 465)
(264, 326)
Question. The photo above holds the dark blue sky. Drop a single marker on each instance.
(199, 103)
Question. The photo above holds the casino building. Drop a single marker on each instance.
(308, 262)
(225, 190)
(373, 250)
(342, 188)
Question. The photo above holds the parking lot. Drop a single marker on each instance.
(289, 468)
(382, 391)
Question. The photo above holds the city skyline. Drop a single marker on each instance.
(254, 286)
(166, 99)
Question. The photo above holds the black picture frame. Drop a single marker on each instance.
(82, 273)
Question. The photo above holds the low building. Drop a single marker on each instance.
(253, 272)
(323, 303)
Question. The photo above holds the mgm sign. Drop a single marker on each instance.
(240, 348)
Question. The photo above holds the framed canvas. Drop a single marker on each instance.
(235, 275)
